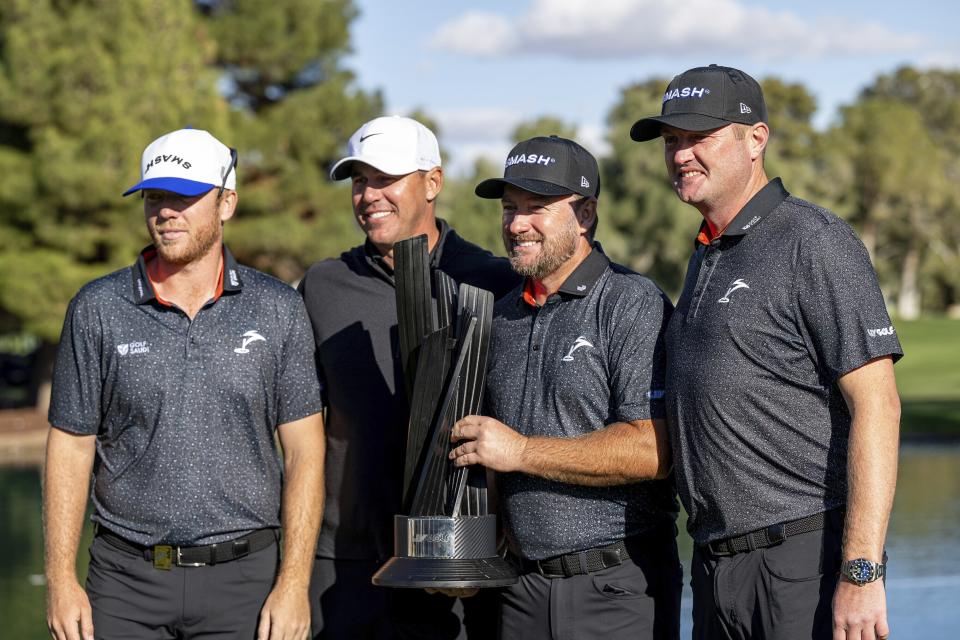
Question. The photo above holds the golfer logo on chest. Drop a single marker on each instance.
(581, 341)
(736, 284)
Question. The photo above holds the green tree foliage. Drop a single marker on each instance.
(544, 126)
(896, 200)
(933, 98)
(293, 110)
(86, 84)
(82, 89)
(642, 222)
(476, 219)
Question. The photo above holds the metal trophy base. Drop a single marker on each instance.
(445, 552)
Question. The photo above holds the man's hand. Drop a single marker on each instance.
(69, 616)
(285, 614)
(860, 612)
(488, 442)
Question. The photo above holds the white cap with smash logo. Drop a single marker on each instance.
(188, 162)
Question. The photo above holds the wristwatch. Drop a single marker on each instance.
(860, 571)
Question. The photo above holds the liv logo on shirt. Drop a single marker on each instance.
(248, 337)
(581, 341)
(736, 284)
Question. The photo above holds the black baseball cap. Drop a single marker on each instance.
(547, 166)
(705, 98)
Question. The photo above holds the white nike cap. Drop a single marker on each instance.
(188, 162)
(392, 144)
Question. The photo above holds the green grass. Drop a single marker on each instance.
(928, 377)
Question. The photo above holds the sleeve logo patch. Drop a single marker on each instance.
(884, 331)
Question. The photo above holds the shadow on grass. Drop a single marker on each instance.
(930, 419)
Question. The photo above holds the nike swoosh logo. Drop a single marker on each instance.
(369, 135)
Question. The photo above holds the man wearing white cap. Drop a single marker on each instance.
(172, 378)
(394, 164)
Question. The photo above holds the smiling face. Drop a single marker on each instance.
(393, 208)
(186, 228)
(542, 234)
(714, 170)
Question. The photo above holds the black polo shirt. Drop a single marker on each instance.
(185, 410)
(772, 313)
(591, 356)
(352, 305)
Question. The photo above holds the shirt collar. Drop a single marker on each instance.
(143, 289)
(759, 207)
(580, 282)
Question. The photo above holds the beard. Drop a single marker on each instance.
(554, 251)
(193, 247)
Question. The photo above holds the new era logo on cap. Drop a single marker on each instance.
(188, 162)
(548, 166)
(705, 98)
(392, 144)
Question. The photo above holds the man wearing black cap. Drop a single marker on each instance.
(783, 410)
(575, 431)
(395, 169)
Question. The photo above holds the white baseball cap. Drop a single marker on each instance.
(392, 144)
(188, 162)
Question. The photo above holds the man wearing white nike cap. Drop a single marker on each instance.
(172, 378)
(394, 165)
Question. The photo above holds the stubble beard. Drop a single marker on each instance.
(554, 252)
(196, 246)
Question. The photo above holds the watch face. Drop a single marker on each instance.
(860, 570)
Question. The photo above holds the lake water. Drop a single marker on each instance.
(923, 542)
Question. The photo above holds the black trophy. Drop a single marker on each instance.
(449, 539)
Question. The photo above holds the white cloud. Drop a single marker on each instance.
(631, 28)
(477, 124)
(593, 137)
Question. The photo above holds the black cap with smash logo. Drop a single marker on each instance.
(705, 98)
(547, 166)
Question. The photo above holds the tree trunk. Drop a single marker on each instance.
(42, 375)
(868, 234)
(908, 302)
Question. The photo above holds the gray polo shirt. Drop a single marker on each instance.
(591, 356)
(772, 313)
(185, 411)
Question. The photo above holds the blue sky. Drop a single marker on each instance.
(481, 68)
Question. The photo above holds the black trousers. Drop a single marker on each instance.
(784, 592)
(637, 600)
(345, 604)
(132, 599)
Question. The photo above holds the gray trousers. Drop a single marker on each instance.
(132, 599)
(784, 592)
(637, 600)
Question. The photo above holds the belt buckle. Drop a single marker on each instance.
(720, 548)
(544, 571)
(163, 557)
(181, 563)
(776, 534)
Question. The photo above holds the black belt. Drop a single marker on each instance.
(579, 562)
(165, 556)
(768, 536)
